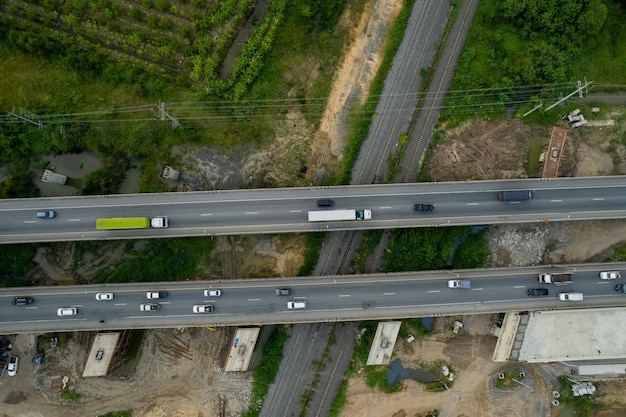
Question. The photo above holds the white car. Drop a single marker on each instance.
(104, 296)
(570, 296)
(296, 304)
(212, 293)
(13, 362)
(610, 275)
(67, 311)
(203, 308)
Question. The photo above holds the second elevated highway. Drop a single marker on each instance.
(285, 210)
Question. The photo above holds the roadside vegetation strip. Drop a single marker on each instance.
(265, 374)
(361, 125)
(513, 54)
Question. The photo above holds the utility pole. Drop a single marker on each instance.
(578, 90)
(163, 114)
(27, 116)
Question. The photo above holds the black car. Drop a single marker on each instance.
(326, 202)
(22, 301)
(537, 292)
(621, 288)
(424, 207)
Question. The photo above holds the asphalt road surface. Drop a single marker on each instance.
(333, 298)
(285, 210)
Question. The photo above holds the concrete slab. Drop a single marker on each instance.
(241, 349)
(507, 340)
(590, 334)
(602, 369)
(380, 352)
(101, 353)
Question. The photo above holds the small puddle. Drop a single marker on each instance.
(398, 372)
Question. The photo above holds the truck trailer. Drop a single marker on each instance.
(555, 278)
(132, 223)
(339, 215)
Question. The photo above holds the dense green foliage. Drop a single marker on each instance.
(15, 261)
(314, 242)
(266, 373)
(473, 252)
(162, 260)
(422, 249)
(538, 45)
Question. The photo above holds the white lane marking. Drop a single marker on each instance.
(206, 214)
(344, 295)
(514, 202)
(73, 220)
(556, 201)
(432, 291)
(598, 199)
(254, 299)
(472, 204)
(295, 211)
(520, 286)
(252, 212)
(30, 308)
(603, 282)
(477, 289)
(384, 208)
(29, 221)
(389, 293)
(119, 304)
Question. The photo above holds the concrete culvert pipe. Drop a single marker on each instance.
(500, 375)
(522, 374)
(555, 403)
(556, 394)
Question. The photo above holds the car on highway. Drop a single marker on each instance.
(46, 214)
(22, 301)
(325, 202)
(153, 295)
(149, 307)
(621, 288)
(296, 304)
(426, 208)
(212, 293)
(67, 311)
(537, 292)
(283, 291)
(104, 296)
(14, 361)
(459, 283)
(610, 275)
(203, 308)
(570, 296)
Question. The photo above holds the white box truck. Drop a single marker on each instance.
(339, 215)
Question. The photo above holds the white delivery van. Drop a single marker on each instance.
(570, 296)
(295, 305)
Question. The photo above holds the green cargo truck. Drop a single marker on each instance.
(132, 223)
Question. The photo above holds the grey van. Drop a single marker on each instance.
(48, 214)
